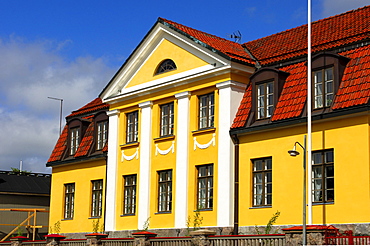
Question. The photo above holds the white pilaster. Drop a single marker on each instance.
(182, 143)
(111, 182)
(230, 95)
(144, 173)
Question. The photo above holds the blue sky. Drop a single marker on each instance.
(70, 49)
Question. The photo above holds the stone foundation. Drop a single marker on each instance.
(358, 229)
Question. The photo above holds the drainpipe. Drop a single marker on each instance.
(105, 192)
(236, 184)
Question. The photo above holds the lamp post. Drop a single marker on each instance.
(294, 153)
(61, 112)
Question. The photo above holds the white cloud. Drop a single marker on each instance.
(29, 73)
(334, 7)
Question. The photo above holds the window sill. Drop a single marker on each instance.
(129, 145)
(322, 203)
(164, 138)
(127, 215)
(166, 212)
(67, 219)
(267, 206)
(204, 130)
(97, 217)
(204, 210)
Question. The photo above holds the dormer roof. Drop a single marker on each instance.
(86, 114)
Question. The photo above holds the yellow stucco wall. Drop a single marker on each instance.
(349, 139)
(81, 174)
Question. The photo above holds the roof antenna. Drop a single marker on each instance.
(237, 36)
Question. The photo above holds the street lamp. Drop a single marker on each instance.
(294, 153)
(61, 112)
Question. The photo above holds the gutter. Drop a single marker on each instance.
(236, 184)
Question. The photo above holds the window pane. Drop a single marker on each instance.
(318, 76)
(268, 177)
(330, 195)
(317, 158)
(258, 165)
(329, 157)
(329, 74)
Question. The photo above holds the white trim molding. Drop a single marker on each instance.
(182, 158)
(145, 148)
(111, 175)
(230, 95)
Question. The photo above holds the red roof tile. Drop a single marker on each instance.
(293, 95)
(60, 146)
(86, 142)
(227, 47)
(94, 105)
(328, 33)
(354, 88)
(244, 109)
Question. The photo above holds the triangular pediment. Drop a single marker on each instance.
(138, 72)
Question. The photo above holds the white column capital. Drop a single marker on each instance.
(231, 84)
(114, 112)
(181, 95)
(146, 104)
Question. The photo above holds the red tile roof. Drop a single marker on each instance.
(60, 147)
(244, 109)
(227, 47)
(293, 96)
(354, 87)
(92, 106)
(86, 143)
(328, 33)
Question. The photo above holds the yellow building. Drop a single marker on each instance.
(171, 151)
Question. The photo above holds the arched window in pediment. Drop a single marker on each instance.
(165, 66)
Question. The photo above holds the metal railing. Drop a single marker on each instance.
(170, 241)
(250, 240)
(118, 241)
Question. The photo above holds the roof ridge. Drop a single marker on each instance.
(97, 102)
(304, 25)
(208, 34)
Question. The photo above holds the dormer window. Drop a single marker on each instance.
(323, 87)
(265, 100)
(165, 66)
(102, 134)
(327, 73)
(76, 132)
(267, 84)
(74, 140)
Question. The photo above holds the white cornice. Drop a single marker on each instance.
(144, 89)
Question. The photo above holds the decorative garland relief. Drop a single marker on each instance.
(165, 152)
(205, 146)
(131, 157)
